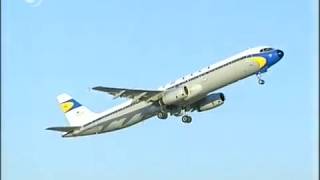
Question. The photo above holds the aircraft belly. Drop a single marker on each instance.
(123, 119)
(90, 131)
(130, 118)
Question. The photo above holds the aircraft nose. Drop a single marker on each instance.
(280, 53)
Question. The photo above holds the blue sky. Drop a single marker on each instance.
(261, 132)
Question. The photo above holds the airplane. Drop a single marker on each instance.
(193, 92)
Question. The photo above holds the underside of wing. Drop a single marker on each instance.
(135, 94)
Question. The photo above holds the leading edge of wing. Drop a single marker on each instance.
(112, 90)
(128, 93)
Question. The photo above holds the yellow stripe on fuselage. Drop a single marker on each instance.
(67, 106)
(261, 61)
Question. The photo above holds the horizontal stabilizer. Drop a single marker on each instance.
(63, 129)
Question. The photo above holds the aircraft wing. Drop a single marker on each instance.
(135, 94)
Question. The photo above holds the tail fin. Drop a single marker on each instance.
(76, 114)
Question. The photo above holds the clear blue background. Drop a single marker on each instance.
(261, 132)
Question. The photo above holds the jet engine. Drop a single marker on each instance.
(209, 102)
(185, 93)
(176, 95)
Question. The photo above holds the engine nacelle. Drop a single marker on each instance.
(175, 96)
(210, 102)
(193, 91)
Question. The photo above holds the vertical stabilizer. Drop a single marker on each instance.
(76, 114)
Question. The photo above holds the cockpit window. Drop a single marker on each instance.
(266, 49)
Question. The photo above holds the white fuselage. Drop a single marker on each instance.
(204, 81)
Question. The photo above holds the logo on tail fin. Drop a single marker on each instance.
(69, 105)
(76, 114)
